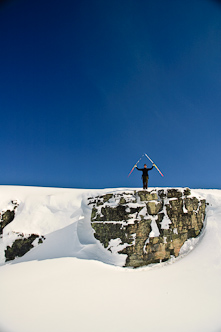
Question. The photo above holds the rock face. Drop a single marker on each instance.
(8, 215)
(22, 242)
(21, 246)
(149, 227)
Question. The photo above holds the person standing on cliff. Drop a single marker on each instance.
(145, 176)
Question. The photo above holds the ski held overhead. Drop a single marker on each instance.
(145, 170)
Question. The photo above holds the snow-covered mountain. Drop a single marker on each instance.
(68, 282)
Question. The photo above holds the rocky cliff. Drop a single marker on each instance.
(147, 226)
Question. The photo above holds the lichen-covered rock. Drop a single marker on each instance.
(147, 196)
(22, 243)
(174, 193)
(154, 207)
(151, 227)
(21, 246)
(8, 215)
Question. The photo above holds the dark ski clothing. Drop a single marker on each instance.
(145, 175)
(144, 170)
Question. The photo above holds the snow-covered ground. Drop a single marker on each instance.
(52, 289)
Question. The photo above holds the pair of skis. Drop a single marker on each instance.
(149, 160)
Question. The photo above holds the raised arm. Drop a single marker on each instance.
(139, 169)
(149, 169)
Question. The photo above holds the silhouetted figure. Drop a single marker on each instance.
(145, 176)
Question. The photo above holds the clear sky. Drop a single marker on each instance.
(87, 87)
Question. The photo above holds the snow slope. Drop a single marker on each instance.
(51, 289)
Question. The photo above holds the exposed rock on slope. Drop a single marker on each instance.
(22, 242)
(149, 227)
(21, 246)
(8, 215)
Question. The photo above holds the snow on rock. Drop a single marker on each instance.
(118, 227)
(162, 221)
(52, 289)
(30, 213)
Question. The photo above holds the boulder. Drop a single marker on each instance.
(151, 226)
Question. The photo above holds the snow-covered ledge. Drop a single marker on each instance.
(148, 227)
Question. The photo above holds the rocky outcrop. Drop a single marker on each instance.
(147, 226)
(21, 246)
(8, 215)
(22, 242)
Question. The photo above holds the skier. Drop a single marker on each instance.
(145, 174)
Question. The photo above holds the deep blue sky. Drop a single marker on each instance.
(87, 87)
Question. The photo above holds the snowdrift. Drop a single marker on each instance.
(62, 284)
